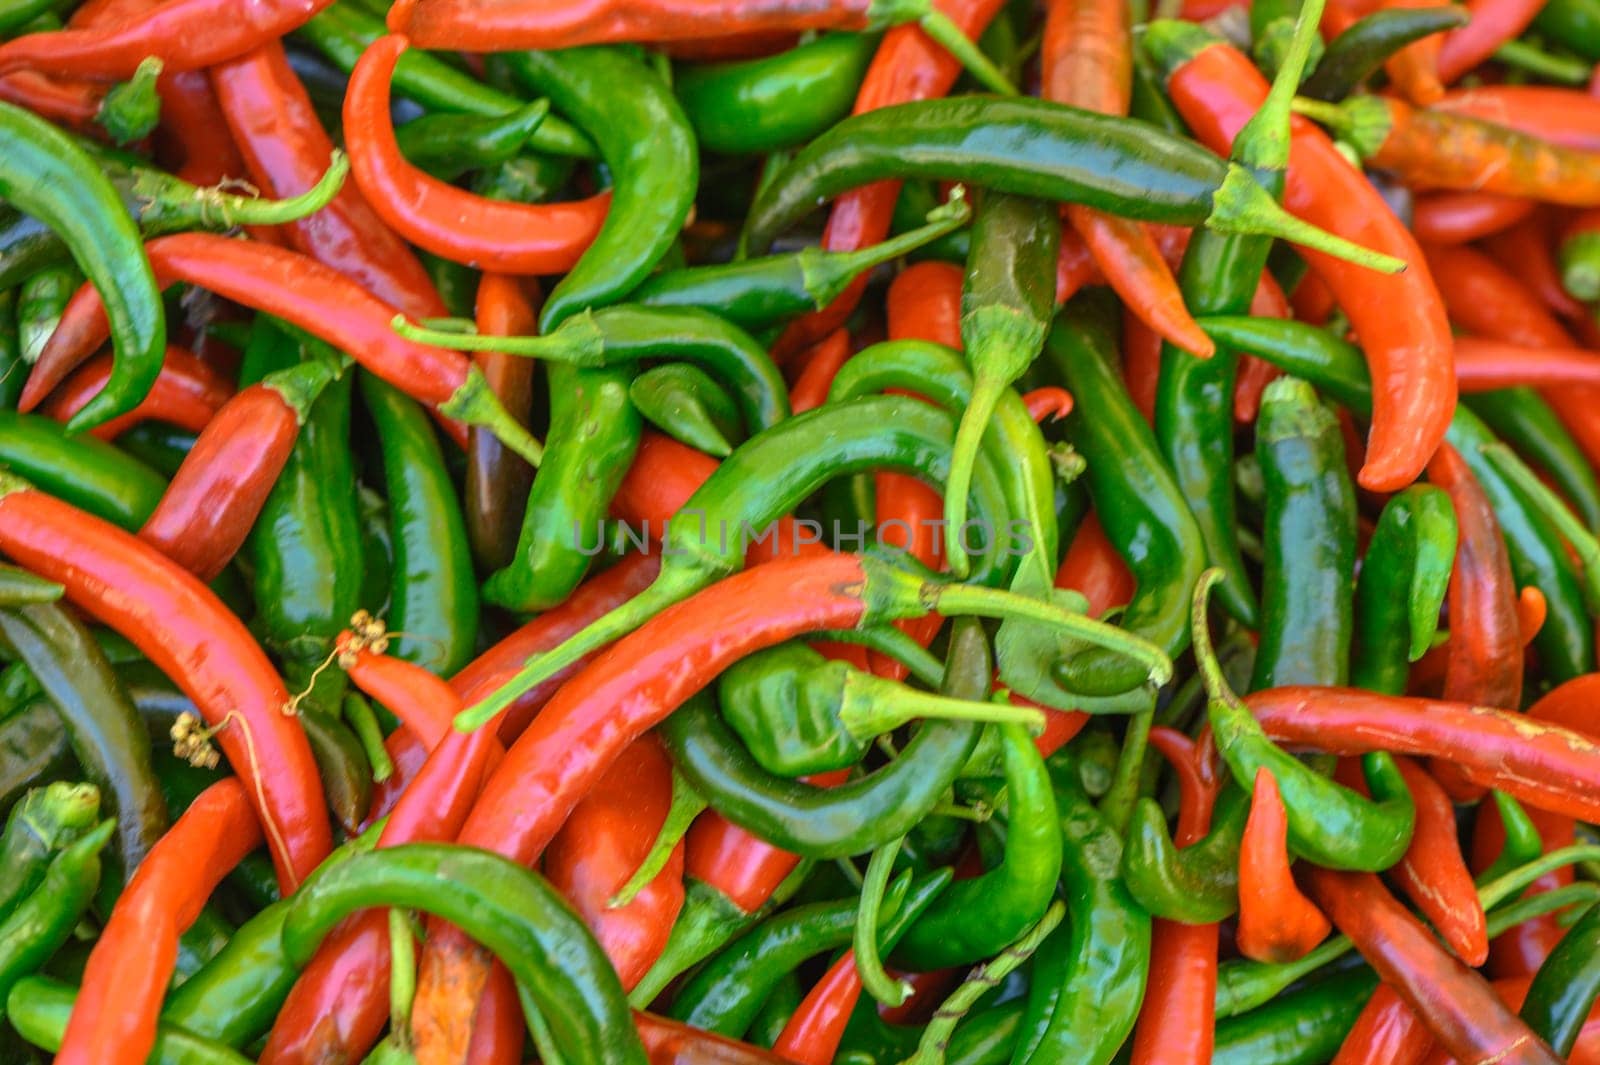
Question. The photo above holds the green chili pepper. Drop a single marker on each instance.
(512, 911)
(1523, 843)
(978, 917)
(1149, 102)
(525, 179)
(448, 146)
(33, 751)
(157, 445)
(1198, 884)
(1358, 52)
(39, 1008)
(19, 587)
(44, 174)
(1404, 577)
(782, 101)
(916, 201)
(433, 599)
(1328, 824)
(1088, 976)
(88, 473)
(1573, 24)
(688, 405)
(44, 822)
(1035, 148)
(130, 110)
(1529, 424)
(1566, 985)
(1566, 640)
(43, 921)
(343, 31)
(40, 302)
(773, 1017)
(1303, 1028)
(105, 731)
(16, 14)
(12, 373)
(1309, 532)
(342, 764)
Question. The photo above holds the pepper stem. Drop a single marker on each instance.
(1362, 122)
(1263, 143)
(870, 706)
(875, 980)
(300, 385)
(937, 25)
(1546, 502)
(687, 803)
(476, 404)
(828, 273)
(1242, 206)
(169, 204)
(364, 723)
(578, 341)
(402, 973)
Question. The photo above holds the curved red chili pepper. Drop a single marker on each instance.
(907, 66)
(817, 1025)
(1093, 568)
(671, 1043)
(181, 626)
(609, 833)
(137, 952)
(1409, 354)
(188, 393)
(283, 142)
(193, 139)
(1386, 1031)
(1075, 266)
(1492, 23)
(821, 366)
(1048, 403)
(496, 235)
(424, 704)
(1276, 922)
(1463, 217)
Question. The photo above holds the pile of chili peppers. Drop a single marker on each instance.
(949, 532)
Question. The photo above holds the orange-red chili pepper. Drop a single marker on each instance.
(817, 1025)
(423, 702)
(1141, 362)
(73, 104)
(1387, 1031)
(495, 235)
(193, 139)
(1414, 69)
(1049, 403)
(1564, 116)
(670, 1043)
(1463, 217)
(1093, 568)
(810, 389)
(1075, 265)
(1256, 374)
(188, 393)
(1409, 354)
(498, 479)
(1484, 365)
(1492, 23)
(1277, 923)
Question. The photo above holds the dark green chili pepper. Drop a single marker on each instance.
(727, 993)
(1328, 824)
(979, 917)
(106, 733)
(1033, 148)
(1566, 640)
(758, 293)
(130, 110)
(159, 446)
(44, 822)
(1301, 1028)
(688, 405)
(1566, 985)
(448, 146)
(342, 764)
(765, 105)
(1309, 535)
(43, 921)
(33, 751)
(343, 31)
(1358, 52)
(1138, 501)
(40, 302)
(16, 14)
(1198, 884)
(377, 550)
(646, 143)
(525, 179)
(44, 174)
(13, 374)
(858, 816)
(1404, 577)
(512, 911)
(1272, 27)
(86, 472)
(1149, 102)
(1525, 421)
(1089, 975)
(774, 1014)
(1573, 24)
(1523, 843)
(433, 598)
(39, 1008)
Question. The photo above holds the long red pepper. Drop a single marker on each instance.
(812, 1035)
(1433, 873)
(193, 140)
(1277, 923)
(137, 952)
(424, 704)
(303, 292)
(282, 140)
(908, 66)
(496, 235)
(1483, 365)
(182, 627)
(1492, 23)
(1414, 69)
(1256, 374)
(505, 306)
(1565, 116)
(1409, 354)
(1387, 1031)
(671, 1043)
(188, 393)
(822, 364)
(1458, 1006)
(1463, 217)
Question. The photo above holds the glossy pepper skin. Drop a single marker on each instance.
(1357, 52)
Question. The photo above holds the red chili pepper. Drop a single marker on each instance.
(1313, 300)
(137, 952)
(1414, 69)
(670, 1043)
(1075, 266)
(1565, 116)
(1048, 403)
(1256, 374)
(424, 704)
(286, 148)
(1493, 23)
(181, 626)
(505, 237)
(73, 104)
(1484, 365)
(1093, 568)
(810, 389)
(1463, 217)
(1409, 354)
(188, 394)
(1457, 1006)
(497, 478)
(193, 139)
(720, 49)
(812, 1035)
(609, 834)
(1276, 922)
(1521, 950)
(1141, 362)
(1386, 1031)
(907, 66)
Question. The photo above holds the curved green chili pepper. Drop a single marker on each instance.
(687, 404)
(1525, 421)
(46, 820)
(1358, 52)
(39, 1008)
(44, 174)
(105, 731)
(42, 922)
(512, 911)
(86, 472)
(19, 587)
(978, 918)
(433, 598)
(1566, 986)
(1328, 824)
(448, 146)
(1035, 148)
(765, 105)
(1566, 640)
(1404, 577)
(1309, 535)
(1198, 884)
(33, 751)
(1303, 1028)
(1089, 975)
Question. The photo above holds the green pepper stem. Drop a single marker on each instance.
(402, 972)
(1546, 502)
(1561, 69)
(1518, 826)
(1263, 143)
(687, 803)
(578, 340)
(875, 980)
(828, 273)
(1362, 122)
(476, 404)
(1503, 887)
(169, 204)
(1117, 805)
(1242, 206)
(364, 723)
(870, 706)
(300, 385)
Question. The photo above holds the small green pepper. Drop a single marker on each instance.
(687, 404)
(1357, 53)
(448, 146)
(1404, 577)
(43, 921)
(44, 822)
(1198, 884)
